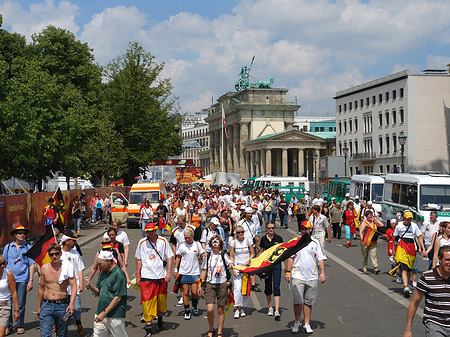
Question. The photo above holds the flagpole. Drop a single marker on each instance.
(221, 147)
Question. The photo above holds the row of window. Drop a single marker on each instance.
(195, 133)
(385, 119)
(384, 146)
(368, 169)
(387, 96)
(319, 128)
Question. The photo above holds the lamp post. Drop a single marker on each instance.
(402, 140)
(345, 151)
(314, 173)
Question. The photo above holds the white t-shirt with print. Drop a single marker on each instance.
(152, 263)
(241, 251)
(411, 233)
(190, 253)
(305, 266)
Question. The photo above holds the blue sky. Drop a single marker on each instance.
(313, 48)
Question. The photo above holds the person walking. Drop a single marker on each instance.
(348, 218)
(146, 215)
(335, 219)
(8, 291)
(111, 289)
(22, 267)
(320, 225)
(368, 232)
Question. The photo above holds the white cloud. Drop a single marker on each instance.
(437, 61)
(414, 67)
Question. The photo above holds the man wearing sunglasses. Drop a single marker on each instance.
(22, 268)
(53, 300)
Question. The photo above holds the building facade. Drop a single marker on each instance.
(261, 138)
(371, 116)
(197, 133)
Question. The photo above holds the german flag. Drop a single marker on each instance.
(275, 254)
(60, 208)
(405, 253)
(371, 229)
(39, 250)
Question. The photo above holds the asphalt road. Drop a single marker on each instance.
(350, 303)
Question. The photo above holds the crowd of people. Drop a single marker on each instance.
(213, 231)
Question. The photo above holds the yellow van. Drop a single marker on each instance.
(129, 210)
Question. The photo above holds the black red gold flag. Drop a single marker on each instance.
(60, 207)
(38, 252)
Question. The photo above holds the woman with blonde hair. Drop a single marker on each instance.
(7, 290)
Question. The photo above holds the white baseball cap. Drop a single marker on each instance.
(369, 202)
(248, 210)
(105, 255)
(215, 221)
(347, 195)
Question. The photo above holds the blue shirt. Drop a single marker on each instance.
(16, 262)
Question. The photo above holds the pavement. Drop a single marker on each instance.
(350, 303)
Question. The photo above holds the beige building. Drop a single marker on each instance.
(371, 116)
(261, 137)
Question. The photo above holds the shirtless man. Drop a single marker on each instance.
(53, 299)
(213, 211)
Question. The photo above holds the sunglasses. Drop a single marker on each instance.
(21, 233)
(239, 232)
(2, 264)
(303, 229)
(270, 227)
(53, 254)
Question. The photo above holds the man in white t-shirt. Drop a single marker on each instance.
(177, 236)
(301, 270)
(405, 233)
(308, 200)
(121, 237)
(152, 255)
(320, 226)
(209, 232)
(71, 255)
(318, 200)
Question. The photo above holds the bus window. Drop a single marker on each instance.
(377, 192)
(388, 191)
(366, 192)
(404, 194)
(290, 184)
(435, 197)
(396, 193)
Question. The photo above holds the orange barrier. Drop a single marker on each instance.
(28, 209)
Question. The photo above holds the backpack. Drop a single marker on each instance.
(227, 268)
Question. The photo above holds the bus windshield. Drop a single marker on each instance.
(139, 197)
(435, 197)
(377, 193)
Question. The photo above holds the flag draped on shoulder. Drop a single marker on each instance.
(370, 230)
(39, 250)
(405, 253)
(60, 208)
(275, 254)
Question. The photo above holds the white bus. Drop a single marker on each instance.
(273, 181)
(368, 187)
(419, 193)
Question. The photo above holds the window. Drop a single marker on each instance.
(381, 168)
(388, 168)
(373, 100)
(350, 125)
(345, 126)
(330, 129)
(305, 128)
(394, 117)
(350, 147)
(394, 96)
(380, 98)
(380, 119)
(345, 107)
(316, 129)
(395, 193)
(356, 124)
(387, 144)
(367, 101)
(386, 115)
(340, 128)
(350, 105)
(387, 96)
(322, 129)
(356, 146)
(402, 116)
(380, 145)
(401, 92)
(340, 108)
(361, 103)
(340, 148)
(394, 143)
(356, 105)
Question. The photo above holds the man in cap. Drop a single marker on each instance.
(301, 271)
(111, 289)
(357, 204)
(211, 230)
(153, 253)
(72, 256)
(345, 201)
(405, 233)
(22, 268)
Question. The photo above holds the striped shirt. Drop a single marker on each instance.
(437, 297)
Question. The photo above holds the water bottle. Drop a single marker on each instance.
(66, 316)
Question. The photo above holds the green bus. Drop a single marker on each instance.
(338, 188)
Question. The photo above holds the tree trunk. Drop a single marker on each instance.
(103, 179)
(68, 183)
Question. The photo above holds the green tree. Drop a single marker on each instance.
(142, 109)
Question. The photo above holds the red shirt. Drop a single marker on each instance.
(390, 236)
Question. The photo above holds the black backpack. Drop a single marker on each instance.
(227, 268)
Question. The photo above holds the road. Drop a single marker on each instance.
(350, 303)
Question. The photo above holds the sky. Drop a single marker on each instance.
(314, 48)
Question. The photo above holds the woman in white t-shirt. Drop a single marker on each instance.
(241, 252)
(146, 215)
(188, 256)
(441, 241)
(7, 290)
(216, 288)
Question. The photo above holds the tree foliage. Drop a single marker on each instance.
(58, 116)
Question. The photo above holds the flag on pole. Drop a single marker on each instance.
(60, 207)
(39, 250)
(224, 123)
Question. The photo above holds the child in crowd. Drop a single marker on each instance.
(50, 213)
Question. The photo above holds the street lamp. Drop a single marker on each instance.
(314, 173)
(402, 140)
(345, 151)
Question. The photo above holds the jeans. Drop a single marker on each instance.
(99, 214)
(22, 295)
(52, 314)
(143, 224)
(94, 210)
(273, 276)
(283, 220)
(266, 217)
(300, 218)
(76, 224)
(430, 261)
(78, 309)
(273, 217)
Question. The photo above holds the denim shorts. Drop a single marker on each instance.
(189, 279)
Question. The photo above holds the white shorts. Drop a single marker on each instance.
(305, 292)
(110, 327)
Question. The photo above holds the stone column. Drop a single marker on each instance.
(243, 137)
(317, 166)
(258, 162)
(252, 164)
(236, 159)
(284, 163)
(263, 162)
(301, 164)
(268, 161)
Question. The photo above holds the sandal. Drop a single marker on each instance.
(219, 334)
(210, 333)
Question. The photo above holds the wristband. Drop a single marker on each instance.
(200, 282)
(175, 270)
(287, 272)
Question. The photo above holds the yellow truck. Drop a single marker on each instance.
(129, 210)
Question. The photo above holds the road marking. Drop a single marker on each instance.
(255, 300)
(396, 297)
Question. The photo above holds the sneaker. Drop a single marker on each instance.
(270, 312)
(308, 329)
(407, 292)
(236, 314)
(180, 301)
(347, 245)
(414, 283)
(364, 269)
(399, 280)
(277, 316)
(243, 314)
(80, 329)
(296, 327)
(195, 311)
(376, 271)
(187, 315)
(148, 331)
